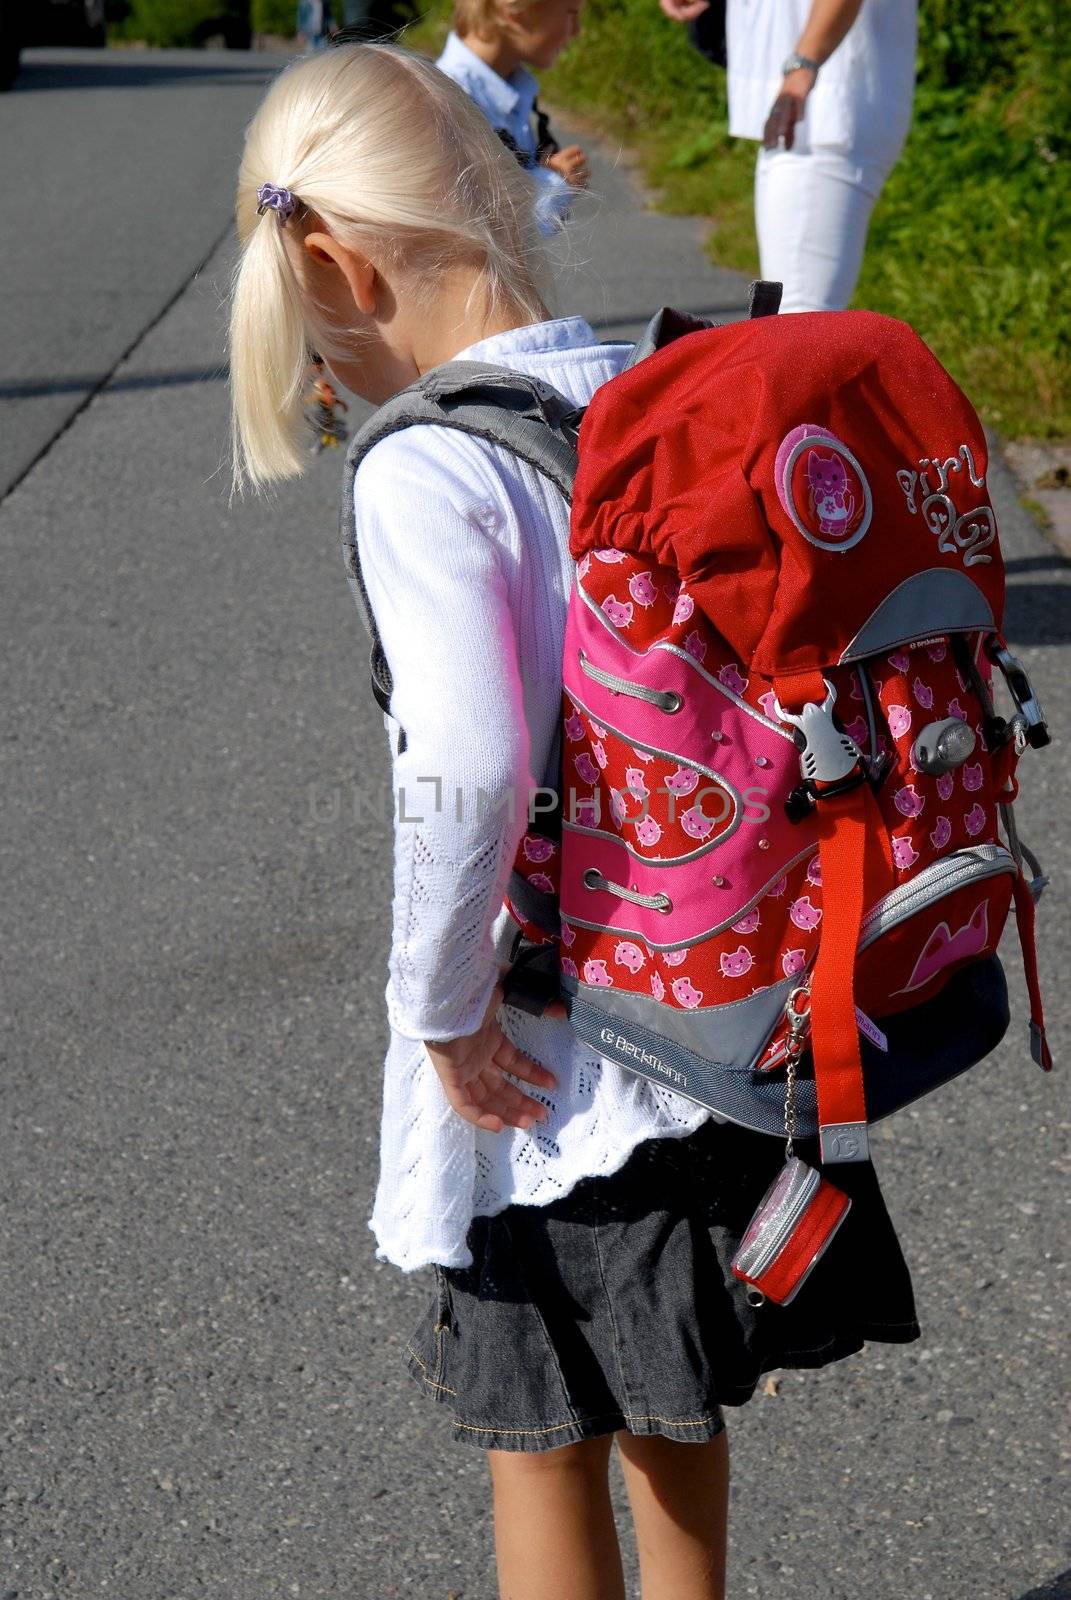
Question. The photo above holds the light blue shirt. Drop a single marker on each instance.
(507, 104)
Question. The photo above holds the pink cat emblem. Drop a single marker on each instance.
(804, 914)
(900, 660)
(696, 825)
(599, 753)
(658, 988)
(857, 730)
(568, 934)
(814, 871)
(792, 961)
(574, 728)
(674, 958)
(642, 589)
(685, 993)
(671, 588)
(937, 652)
(583, 566)
(777, 890)
(537, 849)
(540, 881)
(641, 755)
(747, 924)
(586, 769)
(595, 973)
(617, 807)
(855, 688)
(648, 831)
(972, 777)
(609, 556)
(730, 677)
(683, 609)
(908, 801)
(587, 813)
(974, 821)
(683, 781)
(941, 834)
(899, 720)
(922, 694)
(768, 702)
(636, 782)
(833, 501)
(736, 963)
(627, 954)
(904, 853)
(597, 729)
(696, 646)
(943, 947)
(568, 967)
(956, 710)
(945, 785)
(619, 614)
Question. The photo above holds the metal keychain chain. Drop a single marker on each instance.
(798, 1013)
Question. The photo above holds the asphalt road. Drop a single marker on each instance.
(200, 1359)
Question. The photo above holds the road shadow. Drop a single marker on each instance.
(102, 69)
(35, 388)
(1058, 1588)
(1038, 613)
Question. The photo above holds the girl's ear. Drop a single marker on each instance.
(355, 267)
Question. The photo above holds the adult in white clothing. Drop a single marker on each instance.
(826, 86)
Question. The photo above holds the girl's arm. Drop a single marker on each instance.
(461, 786)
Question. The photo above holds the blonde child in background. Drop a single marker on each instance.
(579, 1218)
(488, 52)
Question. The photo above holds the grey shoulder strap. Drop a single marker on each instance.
(526, 416)
(667, 325)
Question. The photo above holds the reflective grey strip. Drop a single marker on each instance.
(664, 699)
(971, 865)
(934, 602)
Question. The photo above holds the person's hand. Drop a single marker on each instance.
(472, 1072)
(572, 164)
(684, 10)
(787, 109)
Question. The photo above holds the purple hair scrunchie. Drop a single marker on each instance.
(271, 196)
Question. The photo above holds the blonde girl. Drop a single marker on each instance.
(579, 1219)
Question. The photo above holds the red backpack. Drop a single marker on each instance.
(782, 772)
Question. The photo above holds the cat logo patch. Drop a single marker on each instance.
(823, 488)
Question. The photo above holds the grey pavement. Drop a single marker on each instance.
(200, 1360)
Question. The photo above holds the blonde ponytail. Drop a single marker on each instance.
(386, 154)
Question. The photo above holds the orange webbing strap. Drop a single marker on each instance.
(838, 1067)
(1024, 916)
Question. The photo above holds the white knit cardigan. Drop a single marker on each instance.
(465, 555)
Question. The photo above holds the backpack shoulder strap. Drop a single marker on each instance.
(525, 415)
(763, 300)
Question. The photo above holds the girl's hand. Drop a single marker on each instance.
(472, 1072)
(572, 164)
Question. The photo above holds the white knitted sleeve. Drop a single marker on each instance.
(439, 596)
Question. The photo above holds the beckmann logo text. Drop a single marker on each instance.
(643, 1057)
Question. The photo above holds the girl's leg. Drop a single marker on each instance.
(555, 1537)
(679, 1494)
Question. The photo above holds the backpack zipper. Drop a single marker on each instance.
(972, 864)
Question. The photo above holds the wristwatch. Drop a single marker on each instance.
(793, 63)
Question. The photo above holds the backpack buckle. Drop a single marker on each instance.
(831, 762)
(1029, 723)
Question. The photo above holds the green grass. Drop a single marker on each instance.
(971, 239)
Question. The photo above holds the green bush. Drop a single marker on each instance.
(273, 16)
(174, 23)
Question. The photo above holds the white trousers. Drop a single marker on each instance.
(811, 217)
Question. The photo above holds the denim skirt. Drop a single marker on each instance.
(614, 1307)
